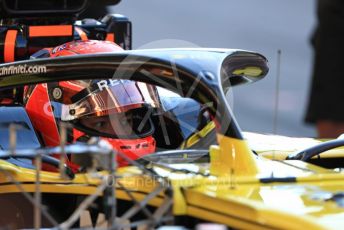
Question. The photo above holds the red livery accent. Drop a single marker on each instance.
(10, 44)
(51, 31)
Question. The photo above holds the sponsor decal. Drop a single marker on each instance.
(59, 48)
(22, 69)
(103, 84)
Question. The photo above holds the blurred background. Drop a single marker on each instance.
(264, 26)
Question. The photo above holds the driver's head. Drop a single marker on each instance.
(119, 110)
(116, 110)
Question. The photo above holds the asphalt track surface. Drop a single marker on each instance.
(264, 26)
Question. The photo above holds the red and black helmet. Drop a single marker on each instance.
(116, 110)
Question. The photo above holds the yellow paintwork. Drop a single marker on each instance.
(239, 213)
(267, 206)
(240, 201)
(193, 139)
(251, 71)
(270, 146)
(232, 156)
(279, 147)
(244, 202)
(82, 184)
(233, 193)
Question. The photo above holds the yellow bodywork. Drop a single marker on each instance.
(232, 156)
(234, 195)
(236, 188)
(279, 147)
(196, 137)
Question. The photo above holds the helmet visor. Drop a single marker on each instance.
(134, 123)
(110, 97)
(113, 108)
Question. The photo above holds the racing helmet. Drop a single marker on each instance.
(116, 110)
